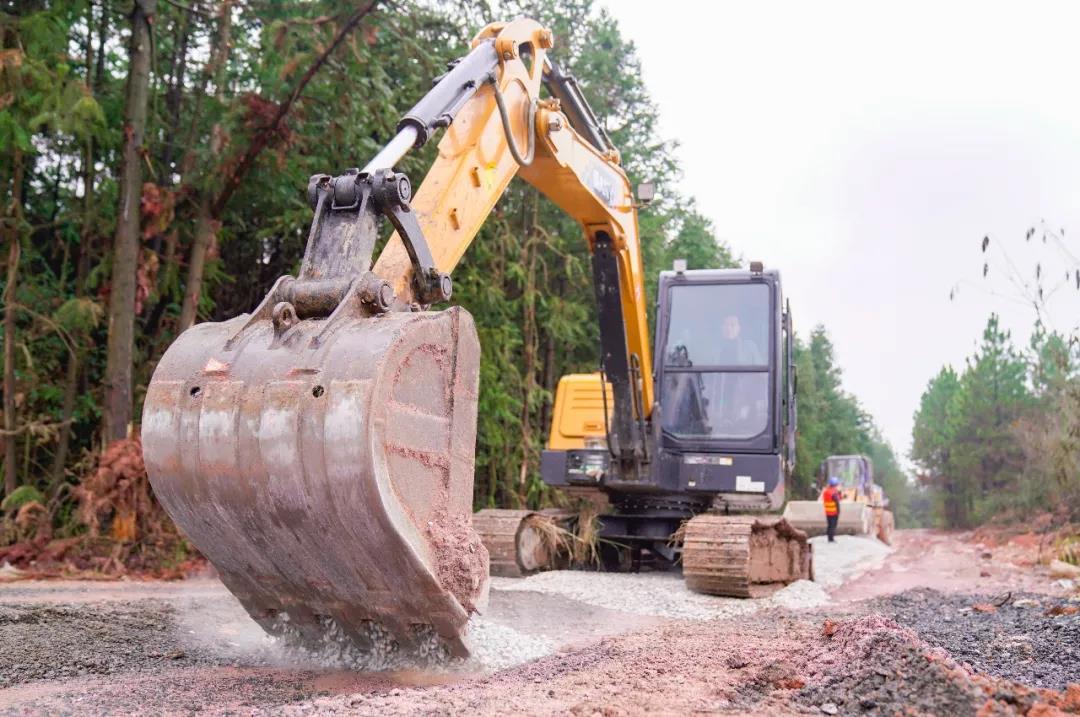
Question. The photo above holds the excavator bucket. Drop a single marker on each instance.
(319, 452)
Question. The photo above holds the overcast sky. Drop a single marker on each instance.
(864, 149)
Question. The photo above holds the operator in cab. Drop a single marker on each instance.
(831, 498)
(734, 348)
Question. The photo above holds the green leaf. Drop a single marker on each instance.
(21, 496)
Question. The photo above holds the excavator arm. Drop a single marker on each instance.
(319, 451)
(563, 151)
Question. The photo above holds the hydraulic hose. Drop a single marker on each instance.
(504, 115)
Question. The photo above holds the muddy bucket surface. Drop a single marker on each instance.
(327, 471)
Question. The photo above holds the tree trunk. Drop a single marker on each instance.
(205, 226)
(67, 411)
(205, 234)
(14, 249)
(210, 214)
(121, 345)
(174, 96)
(86, 242)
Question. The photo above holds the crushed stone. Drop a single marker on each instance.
(1019, 642)
(872, 666)
(800, 595)
(496, 647)
(847, 558)
(657, 594)
(666, 595)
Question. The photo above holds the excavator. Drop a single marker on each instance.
(319, 451)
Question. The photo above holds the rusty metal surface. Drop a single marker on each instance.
(329, 480)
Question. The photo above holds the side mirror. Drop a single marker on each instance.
(646, 192)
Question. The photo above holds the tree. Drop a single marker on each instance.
(121, 346)
(1049, 435)
(933, 435)
(39, 95)
(965, 432)
(993, 395)
(270, 130)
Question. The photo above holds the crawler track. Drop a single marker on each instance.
(744, 556)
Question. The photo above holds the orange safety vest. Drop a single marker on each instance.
(831, 497)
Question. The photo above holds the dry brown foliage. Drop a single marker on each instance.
(126, 529)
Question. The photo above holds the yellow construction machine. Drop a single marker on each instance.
(863, 510)
(319, 451)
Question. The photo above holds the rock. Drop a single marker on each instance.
(1026, 603)
(829, 708)
(1065, 584)
(987, 555)
(984, 573)
(983, 607)
(1061, 569)
(737, 661)
(1062, 610)
(10, 572)
(829, 628)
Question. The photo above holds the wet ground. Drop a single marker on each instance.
(917, 629)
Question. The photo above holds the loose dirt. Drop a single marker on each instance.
(904, 636)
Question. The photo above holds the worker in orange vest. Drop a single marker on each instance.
(831, 497)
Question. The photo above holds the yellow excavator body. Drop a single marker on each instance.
(581, 402)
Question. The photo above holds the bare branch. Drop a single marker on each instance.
(262, 138)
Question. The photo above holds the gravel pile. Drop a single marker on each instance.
(658, 594)
(847, 558)
(666, 595)
(495, 646)
(52, 642)
(872, 666)
(58, 641)
(800, 595)
(1020, 640)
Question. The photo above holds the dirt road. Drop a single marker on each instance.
(939, 626)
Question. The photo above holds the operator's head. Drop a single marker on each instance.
(834, 481)
(730, 328)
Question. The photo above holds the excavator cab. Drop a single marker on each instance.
(718, 444)
(721, 429)
(722, 386)
(855, 473)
